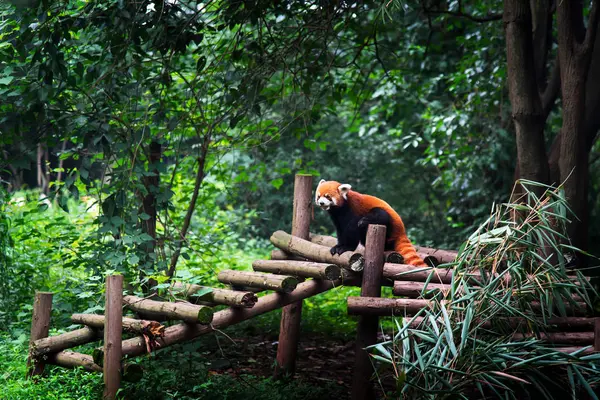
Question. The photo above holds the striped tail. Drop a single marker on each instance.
(405, 247)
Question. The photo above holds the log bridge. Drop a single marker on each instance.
(301, 266)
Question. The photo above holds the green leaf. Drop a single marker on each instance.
(277, 183)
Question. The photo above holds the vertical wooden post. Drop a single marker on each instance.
(40, 326)
(366, 335)
(291, 315)
(113, 326)
(597, 334)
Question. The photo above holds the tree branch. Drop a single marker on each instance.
(550, 94)
(461, 14)
(590, 35)
(188, 216)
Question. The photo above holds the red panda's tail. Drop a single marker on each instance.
(405, 247)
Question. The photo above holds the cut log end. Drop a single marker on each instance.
(393, 257)
(132, 373)
(357, 262)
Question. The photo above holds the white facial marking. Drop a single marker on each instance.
(344, 188)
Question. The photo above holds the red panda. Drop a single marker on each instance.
(352, 212)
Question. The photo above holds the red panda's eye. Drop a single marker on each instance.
(328, 197)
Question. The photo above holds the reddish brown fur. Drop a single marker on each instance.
(361, 204)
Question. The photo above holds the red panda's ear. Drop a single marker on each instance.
(344, 188)
(321, 181)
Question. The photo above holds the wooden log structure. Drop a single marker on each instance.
(233, 298)
(409, 307)
(40, 326)
(140, 326)
(329, 241)
(417, 290)
(260, 280)
(584, 324)
(305, 269)
(291, 314)
(443, 256)
(366, 332)
(278, 254)
(113, 329)
(315, 252)
(71, 359)
(183, 332)
(573, 338)
(162, 309)
(385, 306)
(53, 344)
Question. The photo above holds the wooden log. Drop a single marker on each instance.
(323, 240)
(431, 261)
(304, 269)
(113, 329)
(366, 332)
(385, 306)
(517, 323)
(238, 288)
(289, 327)
(183, 332)
(228, 297)
(314, 252)
(40, 326)
(141, 326)
(261, 280)
(162, 309)
(393, 257)
(443, 256)
(573, 338)
(71, 359)
(404, 272)
(588, 350)
(597, 334)
(415, 290)
(278, 254)
(53, 344)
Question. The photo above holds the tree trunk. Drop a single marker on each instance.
(527, 110)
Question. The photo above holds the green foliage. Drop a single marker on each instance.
(453, 354)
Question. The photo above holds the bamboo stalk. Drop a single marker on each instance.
(230, 316)
(53, 344)
(258, 279)
(384, 306)
(183, 311)
(304, 269)
(132, 325)
(315, 252)
(228, 297)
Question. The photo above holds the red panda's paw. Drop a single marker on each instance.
(363, 222)
(339, 249)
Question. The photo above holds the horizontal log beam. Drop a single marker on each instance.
(443, 256)
(385, 306)
(304, 269)
(183, 332)
(56, 343)
(132, 325)
(278, 254)
(173, 311)
(71, 359)
(573, 338)
(315, 252)
(260, 280)
(234, 298)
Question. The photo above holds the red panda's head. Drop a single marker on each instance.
(331, 194)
